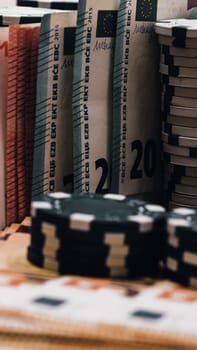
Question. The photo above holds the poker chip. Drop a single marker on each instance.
(180, 28)
(22, 15)
(177, 140)
(173, 205)
(180, 151)
(182, 199)
(179, 130)
(178, 52)
(179, 160)
(119, 236)
(181, 121)
(179, 91)
(181, 111)
(181, 246)
(177, 71)
(188, 43)
(57, 4)
(177, 61)
(179, 179)
(179, 170)
(168, 99)
(183, 189)
(180, 81)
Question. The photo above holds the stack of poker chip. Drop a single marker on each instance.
(178, 68)
(181, 247)
(96, 235)
(56, 4)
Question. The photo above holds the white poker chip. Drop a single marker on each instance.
(181, 82)
(177, 140)
(179, 52)
(187, 43)
(186, 62)
(179, 27)
(179, 101)
(177, 71)
(183, 111)
(179, 151)
(181, 121)
(180, 91)
(179, 130)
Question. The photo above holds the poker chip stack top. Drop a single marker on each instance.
(181, 248)
(178, 68)
(96, 235)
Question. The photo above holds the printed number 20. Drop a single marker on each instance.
(146, 155)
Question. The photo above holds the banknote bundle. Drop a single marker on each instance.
(20, 51)
(92, 94)
(136, 99)
(53, 125)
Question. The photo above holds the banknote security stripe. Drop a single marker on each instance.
(119, 236)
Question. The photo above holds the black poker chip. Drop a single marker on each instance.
(102, 230)
(89, 267)
(180, 262)
(181, 278)
(90, 212)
